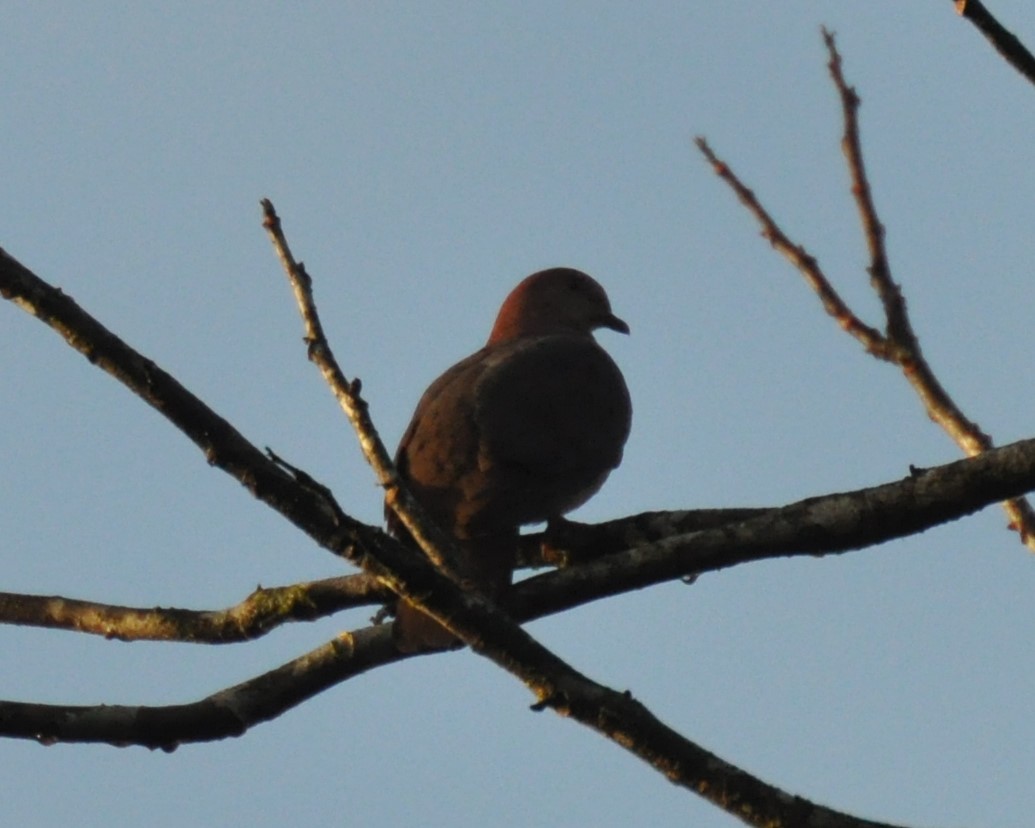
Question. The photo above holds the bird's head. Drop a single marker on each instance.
(555, 301)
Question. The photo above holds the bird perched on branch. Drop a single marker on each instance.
(522, 431)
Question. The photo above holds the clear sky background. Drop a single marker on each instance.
(425, 157)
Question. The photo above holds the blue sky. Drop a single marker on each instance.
(424, 158)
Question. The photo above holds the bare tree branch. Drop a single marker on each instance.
(870, 338)
(484, 626)
(817, 526)
(229, 712)
(814, 526)
(614, 714)
(568, 542)
(432, 540)
(258, 614)
(269, 607)
(1004, 42)
(898, 343)
(618, 556)
(492, 633)
(223, 445)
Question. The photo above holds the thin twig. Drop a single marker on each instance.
(898, 344)
(435, 544)
(908, 354)
(870, 338)
(898, 327)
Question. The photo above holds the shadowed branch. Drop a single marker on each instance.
(1003, 41)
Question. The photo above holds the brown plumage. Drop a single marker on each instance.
(522, 431)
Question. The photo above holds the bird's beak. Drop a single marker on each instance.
(614, 323)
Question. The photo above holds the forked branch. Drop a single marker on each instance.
(897, 343)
